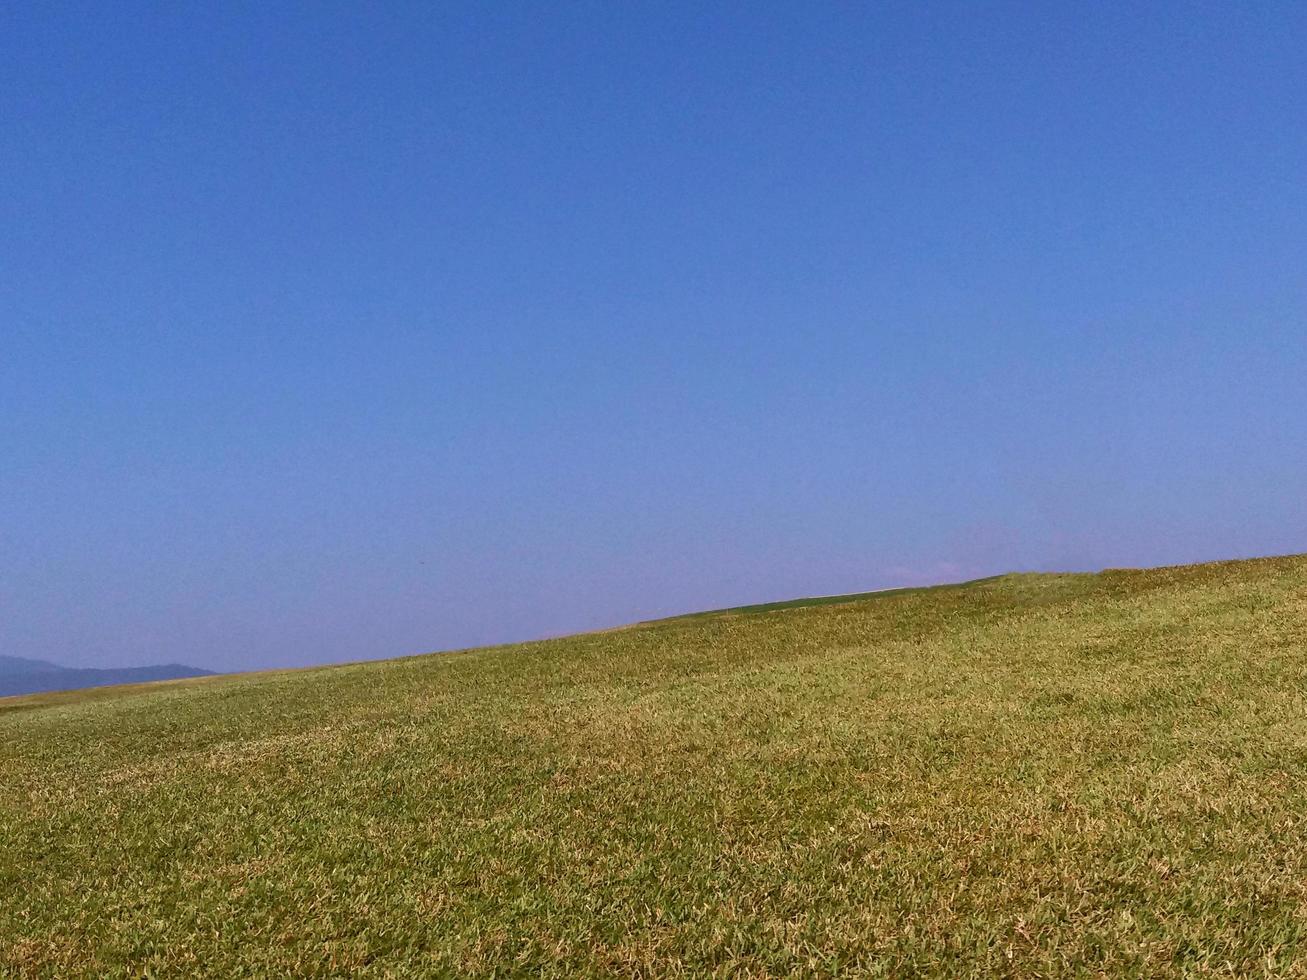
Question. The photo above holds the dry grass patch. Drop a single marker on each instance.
(1034, 775)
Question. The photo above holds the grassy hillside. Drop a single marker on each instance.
(1031, 774)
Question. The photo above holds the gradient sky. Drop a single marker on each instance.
(338, 331)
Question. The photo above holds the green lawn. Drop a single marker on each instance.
(1031, 775)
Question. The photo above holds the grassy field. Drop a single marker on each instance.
(1029, 775)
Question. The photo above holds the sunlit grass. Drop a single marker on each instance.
(1027, 775)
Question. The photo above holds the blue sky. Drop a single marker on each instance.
(340, 331)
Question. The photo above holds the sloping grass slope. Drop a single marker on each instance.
(1031, 775)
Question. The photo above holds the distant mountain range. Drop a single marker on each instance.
(18, 675)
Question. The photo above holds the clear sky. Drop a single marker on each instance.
(338, 331)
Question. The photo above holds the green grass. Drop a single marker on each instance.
(1032, 775)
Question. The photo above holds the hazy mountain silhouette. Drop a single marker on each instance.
(19, 675)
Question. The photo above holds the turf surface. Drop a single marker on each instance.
(1030, 775)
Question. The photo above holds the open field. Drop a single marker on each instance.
(1035, 774)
